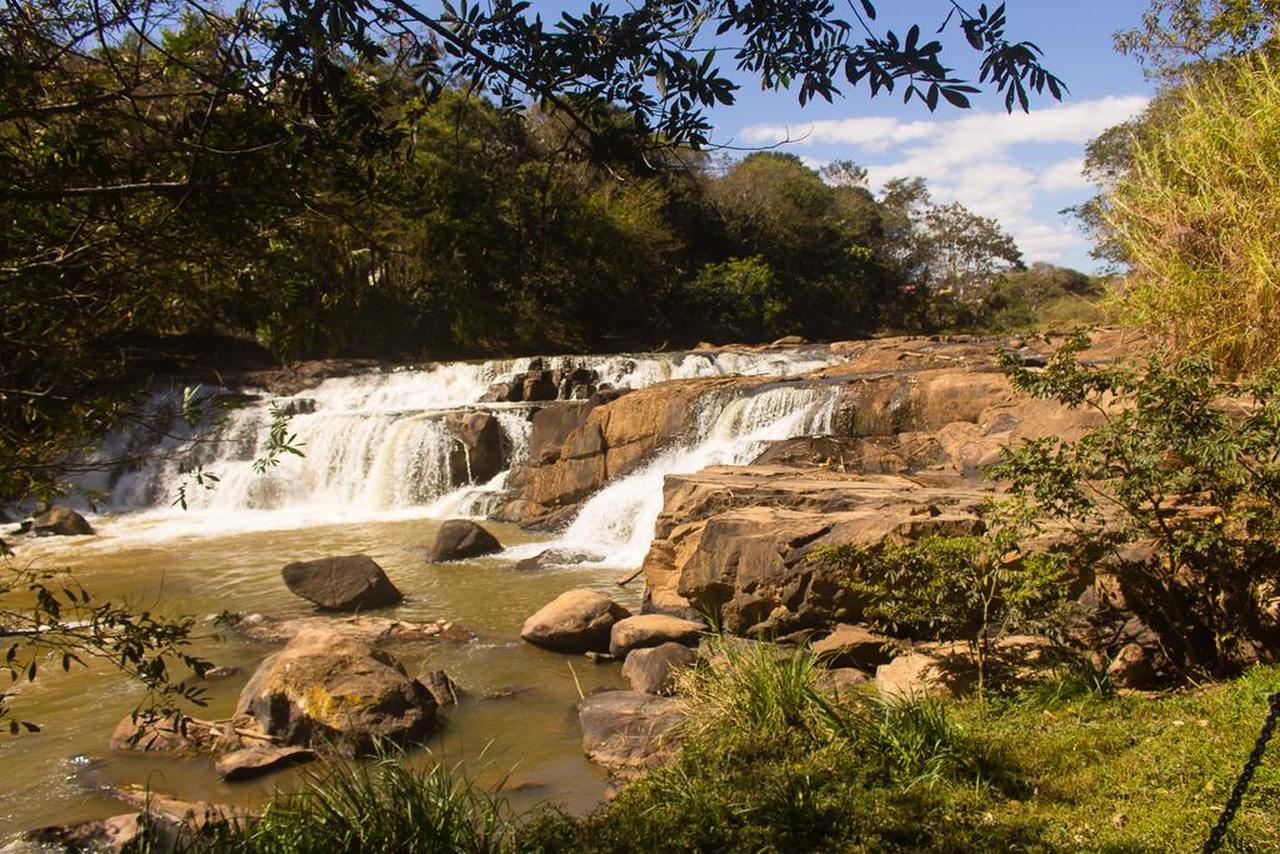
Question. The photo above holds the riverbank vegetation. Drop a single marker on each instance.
(771, 762)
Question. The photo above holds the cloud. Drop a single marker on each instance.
(992, 162)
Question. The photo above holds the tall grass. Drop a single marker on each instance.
(1198, 215)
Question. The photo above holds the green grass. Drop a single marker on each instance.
(772, 764)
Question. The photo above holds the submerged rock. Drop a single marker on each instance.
(629, 732)
(649, 630)
(575, 621)
(266, 629)
(654, 670)
(348, 583)
(460, 539)
(330, 691)
(253, 762)
(60, 521)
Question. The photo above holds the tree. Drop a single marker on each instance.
(1175, 34)
(966, 252)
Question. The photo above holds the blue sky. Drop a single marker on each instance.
(1021, 169)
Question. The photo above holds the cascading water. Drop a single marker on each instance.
(615, 527)
(379, 443)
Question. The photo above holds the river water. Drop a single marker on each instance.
(373, 480)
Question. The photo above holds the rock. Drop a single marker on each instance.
(104, 835)
(649, 630)
(265, 629)
(461, 539)
(477, 454)
(576, 621)
(940, 669)
(853, 646)
(443, 689)
(627, 731)
(653, 670)
(789, 341)
(1132, 667)
(600, 657)
(539, 385)
(136, 732)
(553, 559)
(843, 680)
(177, 813)
(60, 521)
(255, 761)
(224, 671)
(327, 690)
(349, 583)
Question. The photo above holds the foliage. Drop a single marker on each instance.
(1178, 489)
(976, 589)
(1178, 33)
(1195, 212)
(64, 624)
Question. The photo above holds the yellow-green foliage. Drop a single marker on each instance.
(1198, 216)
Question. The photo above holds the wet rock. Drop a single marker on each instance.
(161, 735)
(461, 539)
(348, 583)
(256, 761)
(539, 385)
(265, 629)
(442, 687)
(60, 521)
(575, 621)
(853, 646)
(649, 630)
(600, 657)
(629, 732)
(325, 690)
(653, 670)
(104, 835)
(1133, 667)
(221, 672)
(478, 453)
(553, 559)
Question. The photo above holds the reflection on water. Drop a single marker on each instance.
(533, 735)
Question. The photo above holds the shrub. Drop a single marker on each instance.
(1196, 215)
(1178, 490)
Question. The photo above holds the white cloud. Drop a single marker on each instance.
(982, 160)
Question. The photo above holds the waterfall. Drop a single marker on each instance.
(379, 443)
(615, 526)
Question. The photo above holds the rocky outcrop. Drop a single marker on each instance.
(348, 583)
(629, 732)
(576, 621)
(327, 690)
(735, 541)
(461, 539)
(649, 630)
(654, 670)
(61, 522)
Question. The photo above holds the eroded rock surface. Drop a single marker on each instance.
(629, 732)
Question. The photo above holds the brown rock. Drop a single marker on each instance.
(653, 670)
(328, 690)
(843, 680)
(649, 630)
(853, 646)
(576, 621)
(478, 452)
(461, 539)
(60, 521)
(1132, 667)
(444, 690)
(106, 835)
(253, 762)
(629, 732)
(349, 583)
(940, 669)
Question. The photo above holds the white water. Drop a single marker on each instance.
(615, 526)
(375, 446)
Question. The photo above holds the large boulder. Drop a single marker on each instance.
(477, 455)
(575, 621)
(653, 670)
(461, 539)
(348, 583)
(649, 630)
(327, 690)
(60, 521)
(629, 732)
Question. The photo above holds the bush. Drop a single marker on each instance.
(1196, 215)
(1178, 493)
